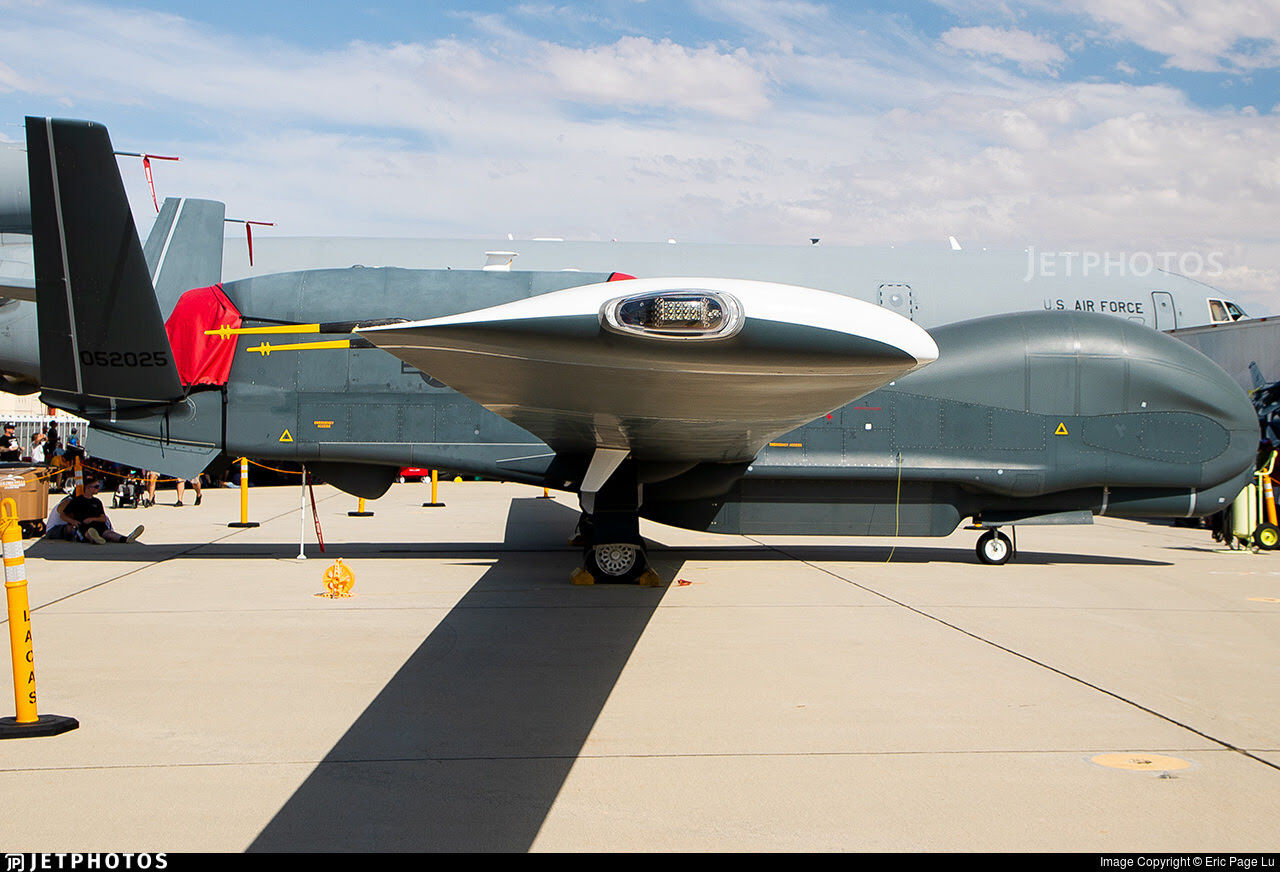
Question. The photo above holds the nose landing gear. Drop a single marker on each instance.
(994, 548)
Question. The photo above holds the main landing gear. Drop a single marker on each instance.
(614, 562)
(609, 530)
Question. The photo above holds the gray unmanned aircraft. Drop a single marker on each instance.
(716, 404)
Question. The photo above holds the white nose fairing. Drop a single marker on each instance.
(665, 368)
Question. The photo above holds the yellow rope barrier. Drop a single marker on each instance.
(125, 475)
(273, 469)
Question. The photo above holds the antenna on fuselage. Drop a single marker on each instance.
(499, 261)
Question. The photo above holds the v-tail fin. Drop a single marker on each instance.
(184, 249)
(102, 338)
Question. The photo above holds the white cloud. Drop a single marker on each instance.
(1200, 35)
(1030, 52)
(636, 70)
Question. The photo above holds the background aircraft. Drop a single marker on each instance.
(930, 286)
(642, 397)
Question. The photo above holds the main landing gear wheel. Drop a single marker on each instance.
(616, 561)
(994, 548)
(1267, 537)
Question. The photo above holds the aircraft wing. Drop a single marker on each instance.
(671, 369)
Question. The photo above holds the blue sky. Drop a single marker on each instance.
(1079, 124)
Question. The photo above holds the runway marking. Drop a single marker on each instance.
(1140, 762)
(972, 635)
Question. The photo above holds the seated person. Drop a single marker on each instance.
(84, 519)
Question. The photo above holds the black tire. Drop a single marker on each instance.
(994, 548)
(615, 561)
(1267, 537)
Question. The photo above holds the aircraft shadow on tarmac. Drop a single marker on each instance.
(468, 745)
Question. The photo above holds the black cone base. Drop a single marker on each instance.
(45, 725)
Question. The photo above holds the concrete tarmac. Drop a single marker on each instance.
(777, 693)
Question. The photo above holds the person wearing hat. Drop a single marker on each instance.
(10, 446)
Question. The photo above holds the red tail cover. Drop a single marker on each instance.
(201, 359)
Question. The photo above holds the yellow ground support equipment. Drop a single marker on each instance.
(1253, 514)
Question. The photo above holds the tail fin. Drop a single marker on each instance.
(184, 250)
(101, 335)
(1255, 375)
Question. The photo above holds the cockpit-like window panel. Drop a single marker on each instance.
(1236, 313)
(1218, 312)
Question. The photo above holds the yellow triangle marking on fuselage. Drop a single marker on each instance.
(1062, 429)
(286, 436)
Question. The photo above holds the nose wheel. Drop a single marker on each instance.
(994, 548)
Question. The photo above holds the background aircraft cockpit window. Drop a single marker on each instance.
(1218, 312)
(1236, 313)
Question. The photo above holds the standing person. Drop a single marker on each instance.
(195, 482)
(73, 448)
(84, 519)
(10, 445)
(37, 448)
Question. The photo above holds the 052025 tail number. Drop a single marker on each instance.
(129, 359)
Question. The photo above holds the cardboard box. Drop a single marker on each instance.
(28, 486)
